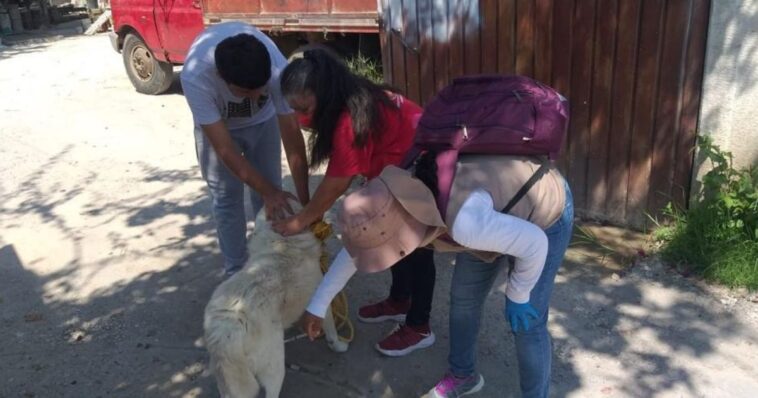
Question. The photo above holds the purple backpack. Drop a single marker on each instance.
(490, 114)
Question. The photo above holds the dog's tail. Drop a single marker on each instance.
(226, 340)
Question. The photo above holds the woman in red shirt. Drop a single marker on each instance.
(359, 128)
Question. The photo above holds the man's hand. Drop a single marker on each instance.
(311, 325)
(290, 226)
(276, 204)
(274, 199)
(326, 194)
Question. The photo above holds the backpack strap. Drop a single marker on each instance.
(446, 161)
(415, 150)
(542, 170)
(410, 157)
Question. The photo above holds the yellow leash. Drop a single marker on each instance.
(323, 231)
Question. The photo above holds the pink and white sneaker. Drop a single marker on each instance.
(453, 387)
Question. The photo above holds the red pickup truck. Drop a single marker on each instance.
(155, 35)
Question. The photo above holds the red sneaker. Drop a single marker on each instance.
(387, 310)
(406, 339)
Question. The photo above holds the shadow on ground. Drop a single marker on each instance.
(139, 337)
(636, 338)
(36, 40)
(142, 336)
(176, 85)
(11, 51)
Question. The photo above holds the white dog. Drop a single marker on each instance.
(248, 313)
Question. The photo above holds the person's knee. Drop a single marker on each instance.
(465, 300)
(227, 203)
(468, 295)
(226, 190)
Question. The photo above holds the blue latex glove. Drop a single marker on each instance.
(518, 314)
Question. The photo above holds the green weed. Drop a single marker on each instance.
(718, 236)
(364, 66)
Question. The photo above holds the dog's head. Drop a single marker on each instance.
(260, 218)
(264, 232)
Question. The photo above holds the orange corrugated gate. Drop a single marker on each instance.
(632, 70)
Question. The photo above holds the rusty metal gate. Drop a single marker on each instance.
(632, 70)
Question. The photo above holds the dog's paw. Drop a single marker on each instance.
(338, 345)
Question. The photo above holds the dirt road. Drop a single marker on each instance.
(108, 256)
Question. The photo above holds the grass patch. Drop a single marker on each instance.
(584, 236)
(718, 236)
(364, 66)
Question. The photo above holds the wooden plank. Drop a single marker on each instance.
(426, 50)
(525, 37)
(343, 6)
(506, 36)
(455, 16)
(644, 110)
(543, 40)
(308, 6)
(621, 109)
(581, 92)
(632, 70)
(289, 7)
(99, 22)
(384, 42)
(397, 46)
(489, 35)
(411, 45)
(602, 83)
(669, 104)
(563, 15)
(471, 43)
(691, 95)
(441, 43)
(235, 7)
(563, 19)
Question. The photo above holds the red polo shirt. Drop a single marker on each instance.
(388, 148)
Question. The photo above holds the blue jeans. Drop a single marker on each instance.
(260, 144)
(471, 283)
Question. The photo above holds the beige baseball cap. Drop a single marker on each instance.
(387, 219)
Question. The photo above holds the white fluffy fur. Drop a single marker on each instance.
(246, 317)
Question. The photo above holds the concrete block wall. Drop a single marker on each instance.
(729, 110)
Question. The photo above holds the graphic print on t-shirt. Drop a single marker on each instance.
(246, 108)
(239, 109)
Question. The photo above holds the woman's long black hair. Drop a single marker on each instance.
(335, 88)
(425, 169)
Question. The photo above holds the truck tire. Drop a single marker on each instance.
(147, 74)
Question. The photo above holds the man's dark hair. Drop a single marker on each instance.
(243, 61)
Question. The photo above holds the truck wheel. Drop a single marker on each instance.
(148, 75)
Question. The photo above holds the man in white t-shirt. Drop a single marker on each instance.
(231, 82)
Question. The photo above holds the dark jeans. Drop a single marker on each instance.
(471, 283)
(413, 277)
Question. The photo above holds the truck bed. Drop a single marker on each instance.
(360, 16)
